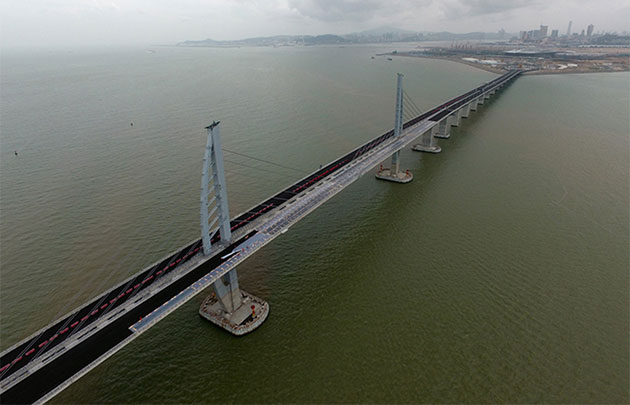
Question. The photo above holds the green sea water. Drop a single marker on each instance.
(500, 274)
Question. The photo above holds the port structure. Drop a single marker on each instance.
(42, 365)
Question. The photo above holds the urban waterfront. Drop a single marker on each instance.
(500, 274)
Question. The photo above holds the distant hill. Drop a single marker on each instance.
(279, 40)
(383, 31)
(377, 35)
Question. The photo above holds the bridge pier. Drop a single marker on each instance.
(427, 142)
(455, 118)
(444, 128)
(229, 307)
(481, 100)
(466, 111)
(393, 173)
(233, 309)
(473, 105)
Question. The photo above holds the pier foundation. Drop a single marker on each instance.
(233, 309)
(427, 142)
(394, 174)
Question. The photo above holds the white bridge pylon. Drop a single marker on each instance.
(214, 207)
(230, 308)
(393, 173)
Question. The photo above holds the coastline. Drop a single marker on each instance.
(489, 68)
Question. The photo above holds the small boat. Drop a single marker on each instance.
(389, 58)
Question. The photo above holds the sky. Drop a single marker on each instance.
(162, 22)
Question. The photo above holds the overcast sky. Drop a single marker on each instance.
(104, 22)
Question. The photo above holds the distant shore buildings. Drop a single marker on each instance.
(542, 34)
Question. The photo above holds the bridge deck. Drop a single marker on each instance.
(45, 363)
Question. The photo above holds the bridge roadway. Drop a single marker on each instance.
(48, 361)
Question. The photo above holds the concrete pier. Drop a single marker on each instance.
(393, 175)
(443, 129)
(427, 143)
(466, 111)
(455, 118)
(248, 316)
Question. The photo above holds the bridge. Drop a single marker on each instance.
(42, 365)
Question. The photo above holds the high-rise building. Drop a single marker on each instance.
(589, 30)
(569, 29)
(554, 33)
(543, 31)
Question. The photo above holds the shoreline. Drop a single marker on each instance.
(490, 69)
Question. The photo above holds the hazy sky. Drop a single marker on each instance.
(84, 22)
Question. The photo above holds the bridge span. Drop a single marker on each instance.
(42, 365)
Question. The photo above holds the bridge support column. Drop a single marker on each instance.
(444, 128)
(473, 105)
(228, 292)
(229, 307)
(455, 118)
(466, 111)
(427, 142)
(481, 100)
(393, 173)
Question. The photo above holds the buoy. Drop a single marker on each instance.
(132, 123)
(16, 153)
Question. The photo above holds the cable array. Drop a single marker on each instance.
(265, 161)
(411, 106)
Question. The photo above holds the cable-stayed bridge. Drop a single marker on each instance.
(42, 365)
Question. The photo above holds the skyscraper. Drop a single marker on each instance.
(589, 30)
(554, 33)
(569, 29)
(543, 31)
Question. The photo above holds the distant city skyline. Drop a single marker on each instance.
(114, 22)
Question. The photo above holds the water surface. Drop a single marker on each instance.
(500, 274)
